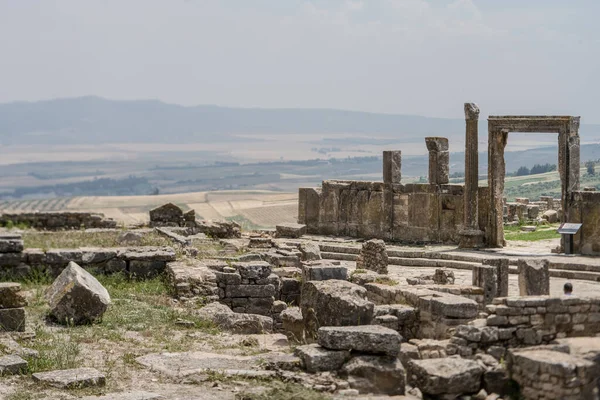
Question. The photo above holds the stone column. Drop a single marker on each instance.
(534, 277)
(471, 235)
(392, 162)
(439, 160)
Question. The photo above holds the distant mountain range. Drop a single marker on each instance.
(91, 120)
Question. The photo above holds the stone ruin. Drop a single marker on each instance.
(467, 215)
(361, 321)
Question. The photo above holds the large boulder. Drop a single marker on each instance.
(334, 303)
(224, 318)
(76, 297)
(373, 339)
(445, 376)
(550, 216)
(376, 374)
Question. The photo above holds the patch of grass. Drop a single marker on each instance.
(386, 281)
(284, 391)
(19, 225)
(57, 350)
(75, 239)
(543, 232)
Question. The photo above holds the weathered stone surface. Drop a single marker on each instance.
(255, 291)
(11, 365)
(439, 160)
(11, 243)
(443, 276)
(71, 378)
(316, 358)
(226, 319)
(392, 166)
(77, 297)
(11, 295)
(195, 362)
(334, 303)
(253, 270)
(454, 306)
(439, 376)
(373, 256)
(290, 230)
(323, 271)
(550, 216)
(129, 395)
(376, 374)
(534, 277)
(167, 215)
(219, 229)
(59, 220)
(293, 324)
(365, 338)
(130, 238)
(310, 251)
(12, 319)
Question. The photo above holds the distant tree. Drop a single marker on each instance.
(522, 171)
(540, 169)
(591, 168)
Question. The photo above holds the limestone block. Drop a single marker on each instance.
(12, 365)
(167, 215)
(241, 323)
(334, 303)
(250, 291)
(77, 297)
(392, 164)
(501, 265)
(451, 306)
(11, 295)
(12, 319)
(71, 378)
(253, 270)
(373, 256)
(376, 374)
(315, 358)
(372, 339)
(310, 251)
(290, 230)
(324, 271)
(293, 324)
(445, 376)
(10, 243)
(534, 277)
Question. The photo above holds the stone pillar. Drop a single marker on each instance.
(439, 160)
(392, 162)
(534, 277)
(485, 276)
(501, 265)
(496, 170)
(373, 256)
(471, 235)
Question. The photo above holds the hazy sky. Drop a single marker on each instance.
(396, 56)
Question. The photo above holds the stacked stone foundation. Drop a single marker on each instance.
(58, 220)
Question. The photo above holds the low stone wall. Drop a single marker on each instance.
(584, 207)
(529, 321)
(439, 312)
(59, 220)
(138, 261)
(424, 213)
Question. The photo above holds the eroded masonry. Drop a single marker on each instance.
(438, 212)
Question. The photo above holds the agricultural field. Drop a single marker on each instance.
(252, 209)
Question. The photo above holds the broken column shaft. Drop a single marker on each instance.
(439, 160)
(392, 162)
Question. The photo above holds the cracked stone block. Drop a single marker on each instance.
(71, 378)
(376, 374)
(11, 295)
(316, 358)
(12, 319)
(373, 339)
(12, 365)
(76, 296)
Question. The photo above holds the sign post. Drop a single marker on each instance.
(568, 230)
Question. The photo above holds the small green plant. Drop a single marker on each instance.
(386, 281)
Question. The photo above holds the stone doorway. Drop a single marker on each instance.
(567, 128)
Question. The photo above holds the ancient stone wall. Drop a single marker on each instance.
(528, 321)
(584, 207)
(138, 261)
(58, 220)
(425, 213)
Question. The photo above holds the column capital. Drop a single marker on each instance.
(471, 111)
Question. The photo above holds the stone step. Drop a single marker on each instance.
(580, 275)
(338, 256)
